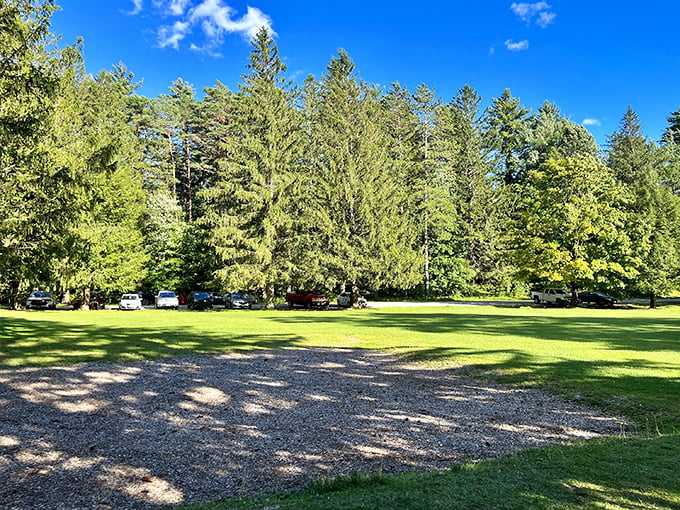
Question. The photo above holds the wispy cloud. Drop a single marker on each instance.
(206, 21)
(591, 122)
(137, 7)
(539, 13)
(517, 46)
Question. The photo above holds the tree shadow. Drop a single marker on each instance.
(198, 428)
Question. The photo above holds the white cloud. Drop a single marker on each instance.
(177, 7)
(171, 36)
(215, 19)
(528, 12)
(517, 46)
(591, 122)
(138, 7)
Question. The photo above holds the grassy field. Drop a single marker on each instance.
(626, 361)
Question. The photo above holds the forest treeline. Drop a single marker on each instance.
(335, 183)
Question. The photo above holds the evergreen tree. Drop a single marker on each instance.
(253, 207)
(368, 230)
(467, 250)
(95, 145)
(652, 207)
(32, 204)
(507, 129)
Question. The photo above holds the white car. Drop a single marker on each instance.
(130, 302)
(167, 299)
(345, 298)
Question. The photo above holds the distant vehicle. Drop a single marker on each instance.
(130, 302)
(597, 298)
(198, 300)
(167, 299)
(97, 302)
(308, 299)
(345, 298)
(217, 298)
(551, 296)
(40, 299)
(236, 300)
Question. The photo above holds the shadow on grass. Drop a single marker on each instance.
(613, 473)
(26, 342)
(642, 385)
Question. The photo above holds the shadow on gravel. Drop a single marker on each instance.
(184, 430)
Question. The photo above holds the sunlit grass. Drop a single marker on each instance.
(626, 361)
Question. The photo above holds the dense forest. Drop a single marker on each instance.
(333, 184)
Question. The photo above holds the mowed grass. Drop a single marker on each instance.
(626, 361)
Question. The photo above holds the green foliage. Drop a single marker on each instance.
(31, 205)
(367, 230)
(252, 208)
(570, 228)
(96, 147)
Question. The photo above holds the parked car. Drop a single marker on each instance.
(41, 299)
(308, 299)
(345, 298)
(199, 300)
(550, 296)
(236, 300)
(167, 299)
(597, 298)
(130, 302)
(217, 298)
(97, 302)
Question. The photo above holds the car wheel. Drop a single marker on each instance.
(290, 304)
(537, 300)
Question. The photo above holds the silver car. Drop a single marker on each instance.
(40, 299)
(167, 299)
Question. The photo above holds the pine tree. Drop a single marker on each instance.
(253, 207)
(652, 209)
(507, 127)
(369, 232)
(95, 145)
(31, 203)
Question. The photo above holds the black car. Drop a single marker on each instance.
(597, 298)
(217, 298)
(199, 301)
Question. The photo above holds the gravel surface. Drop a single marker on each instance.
(196, 429)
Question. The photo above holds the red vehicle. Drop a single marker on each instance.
(308, 299)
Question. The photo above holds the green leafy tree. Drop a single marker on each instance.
(252, 213)
(570, 229)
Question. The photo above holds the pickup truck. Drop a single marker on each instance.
(550, 296)
(308, 299)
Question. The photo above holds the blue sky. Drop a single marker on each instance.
(593, 58)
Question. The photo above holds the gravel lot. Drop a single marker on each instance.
(195, 429)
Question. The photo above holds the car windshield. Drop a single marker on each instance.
(166, 294)
(201, 295)
(129, 297)
(39, 293)
(237, 296)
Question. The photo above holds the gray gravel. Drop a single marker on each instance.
(196, 429)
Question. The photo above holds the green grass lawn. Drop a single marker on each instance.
(625, 360)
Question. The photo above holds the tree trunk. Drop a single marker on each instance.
(15, 295)
(269, 296)
(652, 300)
(85, 299)
(354, 296)
(574, 296)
